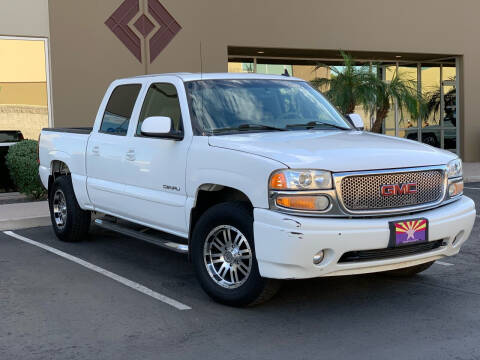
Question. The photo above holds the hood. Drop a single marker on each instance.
(335, 151)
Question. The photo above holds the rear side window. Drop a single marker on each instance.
(119, 109)
(161, 100)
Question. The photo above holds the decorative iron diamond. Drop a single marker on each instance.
(168, 28)
(144, 25)
(128, 10)
(118, 23)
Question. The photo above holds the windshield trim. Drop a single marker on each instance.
(199, 131)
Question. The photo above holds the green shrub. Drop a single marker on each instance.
(22, 164)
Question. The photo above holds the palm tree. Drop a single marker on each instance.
(347, 86)
(402, 91)
(354, 85)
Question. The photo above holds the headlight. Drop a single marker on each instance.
(454, 168)
(300, 180)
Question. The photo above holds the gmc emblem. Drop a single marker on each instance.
(398, 189)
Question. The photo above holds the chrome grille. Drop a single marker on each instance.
(363, 192)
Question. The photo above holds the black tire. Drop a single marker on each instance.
(255, 289)
(77, 221)
(410, 271)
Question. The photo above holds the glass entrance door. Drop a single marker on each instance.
(449, 114)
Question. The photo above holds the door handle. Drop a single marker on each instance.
(130, 156)
(95, 150)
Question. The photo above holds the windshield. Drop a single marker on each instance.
(259, 105)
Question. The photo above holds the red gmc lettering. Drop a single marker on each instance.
(398, 189)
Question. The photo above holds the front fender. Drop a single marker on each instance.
(248, 173)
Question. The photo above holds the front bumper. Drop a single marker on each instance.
(285, 244)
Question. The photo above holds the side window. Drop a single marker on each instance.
(161, 100)
(119, 109)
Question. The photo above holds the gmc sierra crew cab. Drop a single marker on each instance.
(257, 178)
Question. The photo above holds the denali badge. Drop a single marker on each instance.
(398, 189)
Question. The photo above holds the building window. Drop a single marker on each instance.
(435, 79)
(23, 86)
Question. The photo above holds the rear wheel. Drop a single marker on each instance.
(69, 221)
(223, 255)
(410, 271)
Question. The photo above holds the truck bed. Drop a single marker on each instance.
(67, 145)
(75, 130)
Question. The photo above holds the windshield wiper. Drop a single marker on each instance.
(313, 124)
(248, 127)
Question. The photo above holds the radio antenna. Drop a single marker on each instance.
(201, 81)
(201, 61)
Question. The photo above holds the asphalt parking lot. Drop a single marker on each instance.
(54, 308)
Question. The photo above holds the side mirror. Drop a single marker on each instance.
(160, 126)
(357, 121)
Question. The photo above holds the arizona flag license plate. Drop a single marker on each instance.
(408, 232)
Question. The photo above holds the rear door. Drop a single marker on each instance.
(155, 174)
(107, 149)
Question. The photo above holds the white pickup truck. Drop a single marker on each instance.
(257, 178)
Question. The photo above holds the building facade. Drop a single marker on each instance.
(89, 43)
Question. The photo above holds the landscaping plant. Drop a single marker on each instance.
(346, 86)
(351, 85)
(22, 164)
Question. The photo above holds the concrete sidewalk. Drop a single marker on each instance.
(24, 215)
(471, 172)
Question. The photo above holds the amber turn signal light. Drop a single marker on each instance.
(312, 203)
(278, 181)
(455, 189)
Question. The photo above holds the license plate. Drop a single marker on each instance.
(408, 232)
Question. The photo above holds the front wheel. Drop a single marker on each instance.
(223, 255)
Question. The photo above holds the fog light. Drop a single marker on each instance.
(455, 189)
(318, 258)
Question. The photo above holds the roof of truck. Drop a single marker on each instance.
(216, 76)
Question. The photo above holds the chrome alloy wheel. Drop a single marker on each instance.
(60, 209)
(227, 256)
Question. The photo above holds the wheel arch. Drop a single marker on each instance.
(60, 167)
(210, 194)
(57, 168)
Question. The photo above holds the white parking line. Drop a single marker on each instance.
(466, 187)
(443, 263)
(131, 284)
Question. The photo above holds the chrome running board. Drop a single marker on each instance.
(126, 230)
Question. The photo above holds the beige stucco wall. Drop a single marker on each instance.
(86, 56)
(24, 18)
(29, 119)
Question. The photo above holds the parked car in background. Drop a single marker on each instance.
(257, 178)
(7, 139)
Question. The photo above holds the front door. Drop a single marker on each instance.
(155, 179)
